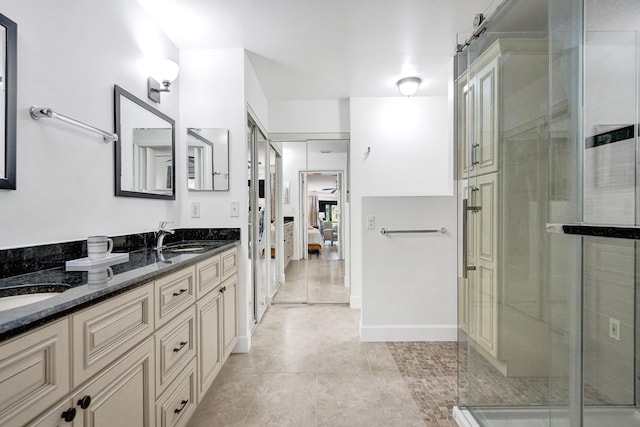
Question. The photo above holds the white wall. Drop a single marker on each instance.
(410, 156)
(70, 54)
(213, 97)
(318, 116)
(410, 279)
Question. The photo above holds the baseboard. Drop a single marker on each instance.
(355, 302)
(243, 345)
(381, 333)
(463, 418)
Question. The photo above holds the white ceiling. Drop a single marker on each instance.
(326, 49)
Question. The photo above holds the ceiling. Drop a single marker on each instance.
(327, 49)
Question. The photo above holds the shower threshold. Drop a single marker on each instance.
(542, 417)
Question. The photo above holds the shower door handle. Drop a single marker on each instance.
(465, 236)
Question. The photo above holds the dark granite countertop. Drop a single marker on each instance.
(142, 267)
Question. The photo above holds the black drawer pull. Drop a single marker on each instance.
(69, 415)
(182, 291)
(84, 402)
(222, 289)
(184, 403)
(182, 344)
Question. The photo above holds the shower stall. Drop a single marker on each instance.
(547, 111)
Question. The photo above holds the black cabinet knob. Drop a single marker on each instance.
(175, 294)
(69, 415)
(84, 402)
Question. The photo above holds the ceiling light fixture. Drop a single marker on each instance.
(408, 86)
(162, 71)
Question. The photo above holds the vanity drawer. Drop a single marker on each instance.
(229, 263)
(175, 347)
(208, 275)
(176, 406)
(34, 372)
(108, 330)
(174, 293)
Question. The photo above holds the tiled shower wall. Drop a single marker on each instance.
(610, 130)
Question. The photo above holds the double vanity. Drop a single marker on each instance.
(141, 349)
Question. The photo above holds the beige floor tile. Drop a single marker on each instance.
(307, 367)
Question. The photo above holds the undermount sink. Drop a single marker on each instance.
(188, 247)
(18, 296)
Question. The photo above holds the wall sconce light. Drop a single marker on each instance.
(163, 72)
(409, 85)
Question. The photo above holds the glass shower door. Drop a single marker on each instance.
(504, 334)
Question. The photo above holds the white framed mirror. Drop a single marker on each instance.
(208, 159)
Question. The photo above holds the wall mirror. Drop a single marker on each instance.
(145, 150)
(8, 83)
(208, 159)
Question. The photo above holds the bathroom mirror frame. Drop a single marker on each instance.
(119, 95)
(9, 80)
(219, 168)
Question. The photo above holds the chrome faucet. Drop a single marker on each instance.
(161, 233)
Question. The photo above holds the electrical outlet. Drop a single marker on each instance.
(195, 209)
(371, 222)
(614, 329)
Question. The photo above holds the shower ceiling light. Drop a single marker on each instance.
(408, 86)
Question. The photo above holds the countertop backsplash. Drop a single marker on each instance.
(19, 261)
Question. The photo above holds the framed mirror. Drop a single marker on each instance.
(8, 84)
(145, 150)
(208, 159)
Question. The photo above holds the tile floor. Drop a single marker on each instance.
(319, 279)
(307, 367)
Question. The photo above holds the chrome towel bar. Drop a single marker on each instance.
(385, 231)
(40, 112)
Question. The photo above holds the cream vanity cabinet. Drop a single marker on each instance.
(216, 313)
(34, 372)
(500, 121)
(141, 358)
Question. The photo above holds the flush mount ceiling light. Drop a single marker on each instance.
(409, 85)
(163, 71)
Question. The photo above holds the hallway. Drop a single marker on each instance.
(318, 279)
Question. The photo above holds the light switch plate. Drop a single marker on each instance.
(195, 209)
(235, 208)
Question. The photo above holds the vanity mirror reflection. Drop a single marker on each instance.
(208, 159)
(8, 53)
(145, 150)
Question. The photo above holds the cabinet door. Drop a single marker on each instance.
(486, 119)
(464, 124)
(230, 318)
(106, 331)
(486, 277)
(123, 395)
(34, 372)
(58, 416)
(209, 333)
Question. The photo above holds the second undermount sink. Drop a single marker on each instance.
(188, 247)
(18, 296)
